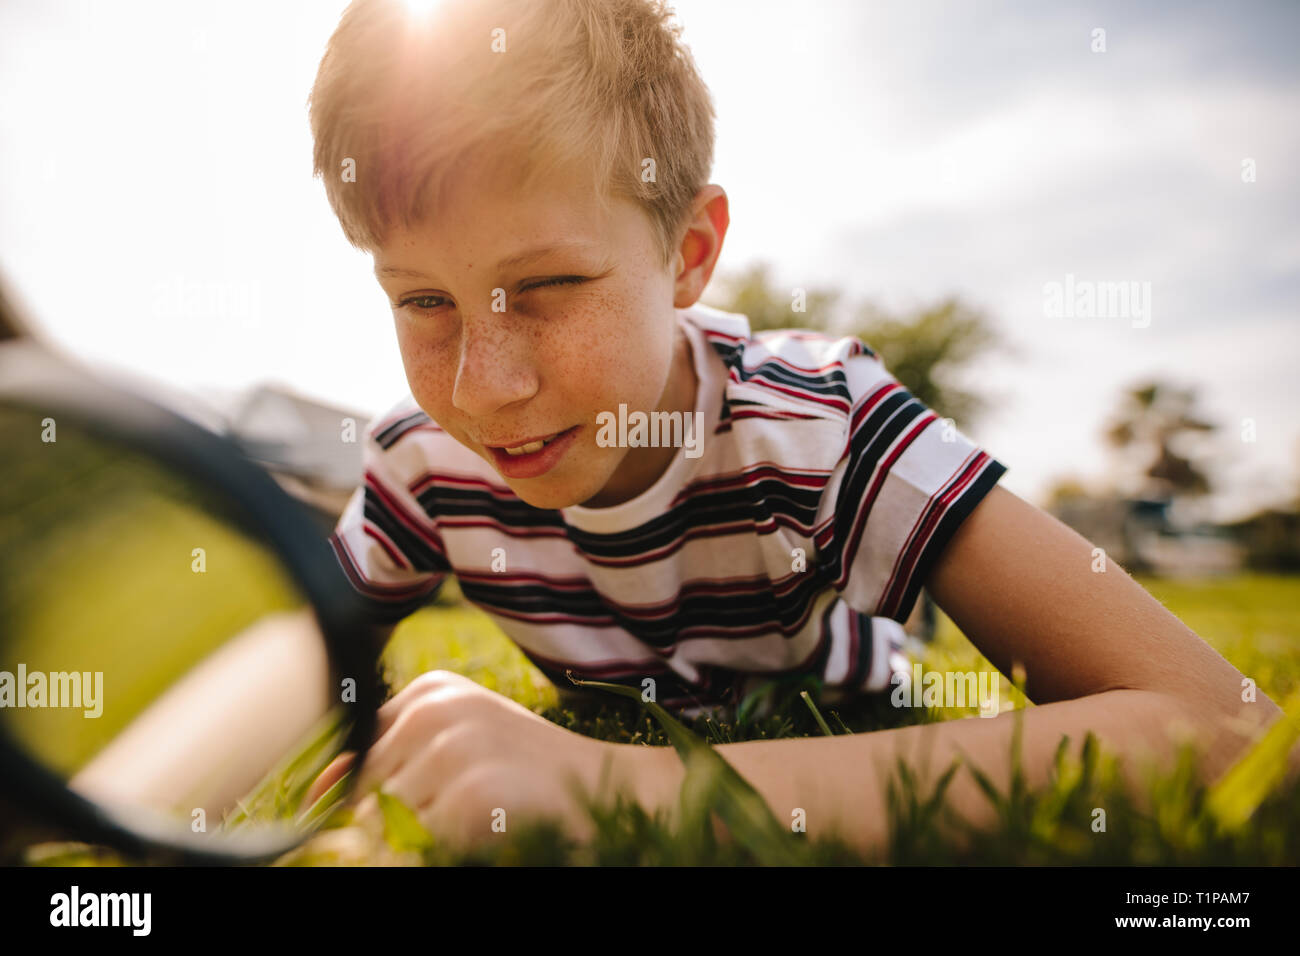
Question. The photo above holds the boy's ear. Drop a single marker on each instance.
(701, 245)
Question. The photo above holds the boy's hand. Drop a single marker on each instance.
(463, 757)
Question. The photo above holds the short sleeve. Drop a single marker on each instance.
(906, 480)
(389, 549)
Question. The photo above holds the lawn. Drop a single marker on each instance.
(1253, 620)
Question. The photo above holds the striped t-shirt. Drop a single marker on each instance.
(791, 543)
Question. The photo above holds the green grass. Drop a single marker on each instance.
(1253, 620)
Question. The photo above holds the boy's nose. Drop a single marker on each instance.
(495, 368)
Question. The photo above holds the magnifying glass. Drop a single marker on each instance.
(180, 655)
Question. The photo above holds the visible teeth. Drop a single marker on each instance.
(528, 449)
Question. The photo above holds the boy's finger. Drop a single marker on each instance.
(366, 812)
(330, 776)
(390, 751)
(424, 684)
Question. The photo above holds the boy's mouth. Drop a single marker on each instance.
(528, 447)
(532, 456)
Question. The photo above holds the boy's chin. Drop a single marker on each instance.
(548, 495)
(584, 483)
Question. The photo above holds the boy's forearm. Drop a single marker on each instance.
(838, 782)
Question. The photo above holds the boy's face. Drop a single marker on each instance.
(553, 354)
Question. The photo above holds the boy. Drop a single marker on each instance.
(532, 181)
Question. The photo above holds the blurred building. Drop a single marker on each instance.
(1147, 536)
(311, 448)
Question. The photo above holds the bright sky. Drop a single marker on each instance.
(155, 160)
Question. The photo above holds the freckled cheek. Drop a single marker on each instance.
(619, 357)
(430, 372)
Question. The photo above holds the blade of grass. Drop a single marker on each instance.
(840, 720)
(402, 829)
(711, 779)
(1243, 788)
(750, 705)
(821, 721)
(325, 802)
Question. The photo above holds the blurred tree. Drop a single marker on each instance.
(1295, 501)
(924, 350)
(1065, 491)
(753, 294)
(1155, 427)
(921, 350)
(1271, 539)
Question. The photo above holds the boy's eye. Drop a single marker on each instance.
(428, 303)
(420, 302)
(558, 280)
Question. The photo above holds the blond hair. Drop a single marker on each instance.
(410, 98)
